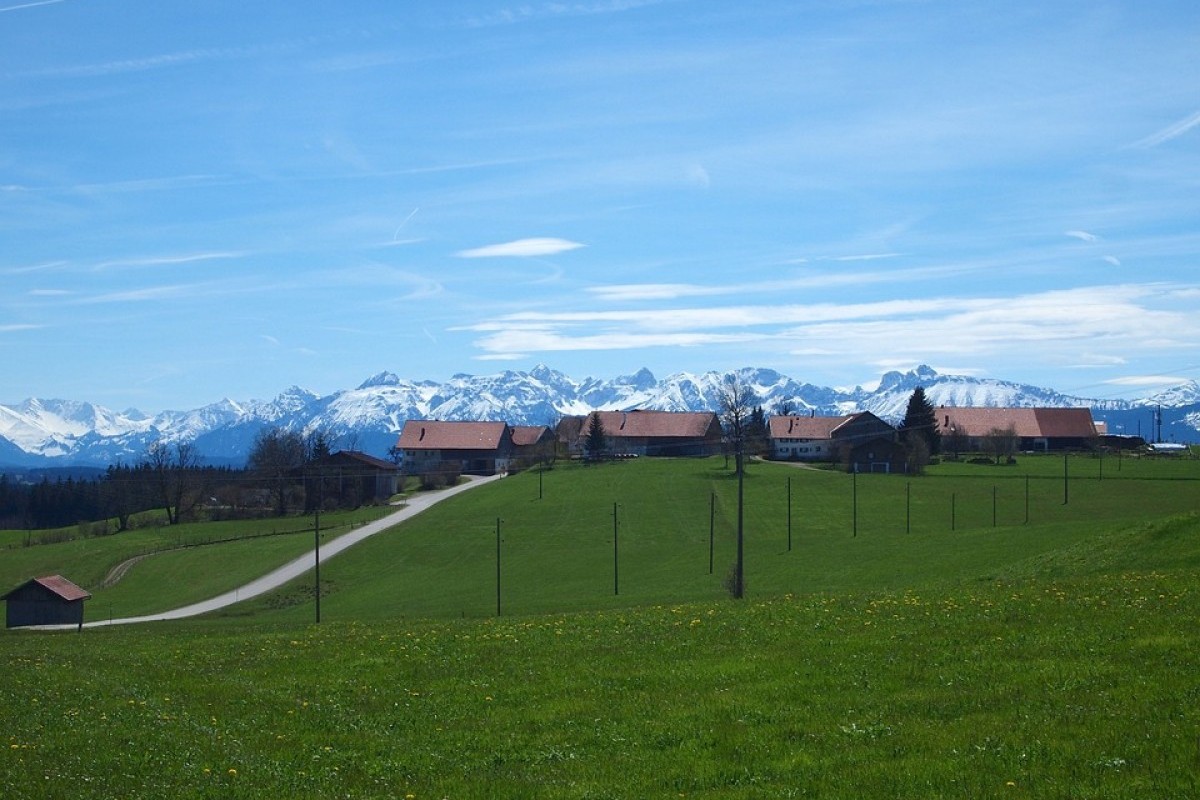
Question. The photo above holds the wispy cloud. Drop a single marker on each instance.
(1145, 380)
(161, 261)
(671, 291)
(31, 5)
(1061, 323)
(159, 61)
(143, 295)
(19, 326)
(522, 248)
(530, 12)
(1082, 236)
(1170, 132)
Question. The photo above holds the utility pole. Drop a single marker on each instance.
(789, 512)
(616, 585)
(712, 517)
(317, 545)
(1066, 482)
(740, 586)
(855, 500)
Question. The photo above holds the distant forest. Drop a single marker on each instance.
(284, 475)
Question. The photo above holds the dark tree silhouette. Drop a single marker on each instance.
(920, 420)
(597, 440)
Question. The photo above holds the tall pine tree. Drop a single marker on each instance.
(920, 421)
(596, 442)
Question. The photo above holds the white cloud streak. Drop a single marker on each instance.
(522, 248)
(806, 282)
(1062, 323)
(1170, 132)
(161, 261)
(31, 5)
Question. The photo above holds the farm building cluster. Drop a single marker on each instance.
(861, 441)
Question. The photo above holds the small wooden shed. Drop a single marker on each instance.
(50, 600)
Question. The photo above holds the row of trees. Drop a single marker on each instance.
(282, 475)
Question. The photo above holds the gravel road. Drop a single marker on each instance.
(297, 567)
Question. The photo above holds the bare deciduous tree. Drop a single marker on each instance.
(175, 471)
(1002, 443)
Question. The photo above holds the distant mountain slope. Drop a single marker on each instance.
(38, 433)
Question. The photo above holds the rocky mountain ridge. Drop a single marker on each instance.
(40, 433)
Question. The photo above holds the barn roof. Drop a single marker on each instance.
(419, 434)
(805, 426)
(56, 584)
(1028, 423)
(363, 459)
(656, 424)
(526, 435)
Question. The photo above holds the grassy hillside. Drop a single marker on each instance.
(960, 522)
(183, 564)
(557, 551)
(1080, 685)
(912, 656)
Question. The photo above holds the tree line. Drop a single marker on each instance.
(283, 474)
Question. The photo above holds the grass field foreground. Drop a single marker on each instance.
(1084, 686)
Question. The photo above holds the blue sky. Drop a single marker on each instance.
(212, 199)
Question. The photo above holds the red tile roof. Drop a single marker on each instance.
(805, 427)
(62, 587)
(434, 435)
(1029, 423)
(526, 435)
(655, 424)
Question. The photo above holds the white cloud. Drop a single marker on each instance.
(1145, 380)
(1061, 323)
(865, 257)
(1170, 132)
(698, 175)
(522, 248)
(159, 261)
(667, 291)
(1116, 262)
(1082, 236)
(31, 5)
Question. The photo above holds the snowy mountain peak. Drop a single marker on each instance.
(1184, 394)
(639, 381)
(384, 378)
(369, 417)
(891, 381)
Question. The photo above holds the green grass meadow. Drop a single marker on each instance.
(925, 641)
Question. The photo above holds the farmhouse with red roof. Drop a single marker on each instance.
(479, 448)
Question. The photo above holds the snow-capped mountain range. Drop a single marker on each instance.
(43, 433)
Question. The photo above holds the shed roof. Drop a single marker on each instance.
(420, 434)
(1028, 423)
(656, 424)
(56, 584)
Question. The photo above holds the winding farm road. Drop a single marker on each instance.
(298, 566)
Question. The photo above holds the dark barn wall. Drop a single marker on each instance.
(35, 605)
